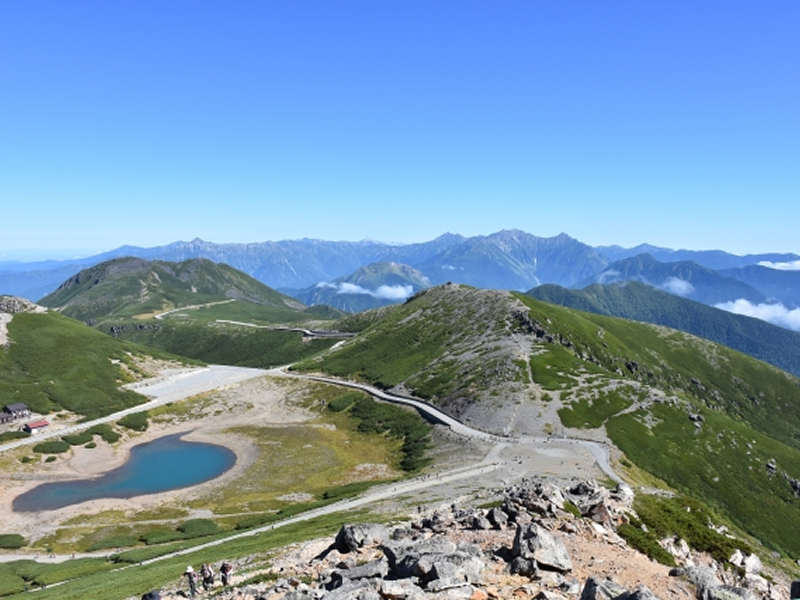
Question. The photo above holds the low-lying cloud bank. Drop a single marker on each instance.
(393, 293)
(781, 266)
(777, 314)
(679, 287)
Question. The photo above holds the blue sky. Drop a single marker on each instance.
(143, 123)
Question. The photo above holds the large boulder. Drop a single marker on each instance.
(729, 592)
(354, 536)
(533, 542)
(602, 589)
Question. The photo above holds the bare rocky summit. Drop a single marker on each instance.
(532, 545)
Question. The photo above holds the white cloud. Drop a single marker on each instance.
(777, 314)
(679, 287)
(394, 293)
(781, 266)
(608, 276)
(352, 288)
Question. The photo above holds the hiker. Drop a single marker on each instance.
(225, 572)
(207, 573)
(191, 577)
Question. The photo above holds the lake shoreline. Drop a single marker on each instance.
(257, 402)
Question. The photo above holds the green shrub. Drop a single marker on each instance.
(689, 519)
(50, 459)
(27, 459)
(645, 543)
(106, 432)
(51, 447)
(399, 422)
(253, 521)
(347, 490)
(572, 509)
(136, 421)
(78, 439)
(12, 541)
(198, 528)
(161, 536)
(91, 445)
(114, 541)
(344, 402)
(13, 435)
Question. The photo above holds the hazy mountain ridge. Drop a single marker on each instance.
(713, 259)
(504, 260)
(776, 284)
(514, 260)
(377, 284)
(684, 278)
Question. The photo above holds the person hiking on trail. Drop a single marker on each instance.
(191, 577)
(207, 573)
(225, 572)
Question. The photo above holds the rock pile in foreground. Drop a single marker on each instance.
(533, 545)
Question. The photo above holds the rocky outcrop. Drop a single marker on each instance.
(455, 553)
(13, 305)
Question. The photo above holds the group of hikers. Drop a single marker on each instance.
(206, 576)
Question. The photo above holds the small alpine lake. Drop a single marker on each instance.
(167, 463)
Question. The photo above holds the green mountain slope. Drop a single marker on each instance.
(55, 363)
(127, 287)
(641, 302)
(197, 309)
(710, 421)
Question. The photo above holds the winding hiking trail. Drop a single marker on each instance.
(506, 454)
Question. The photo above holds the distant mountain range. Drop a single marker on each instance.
(349, 275)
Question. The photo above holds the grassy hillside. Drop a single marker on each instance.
(55, 363)
(710, 421)
(184, 309)
(127, 287)
(221, 343)
(641, 302)
(449, 345)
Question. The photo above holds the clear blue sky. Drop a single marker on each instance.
(672, 123)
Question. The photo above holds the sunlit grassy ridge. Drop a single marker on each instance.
(641, 302)
(194, 299)
(126, 287)
(446, 344)
(55, 363)
(711, 375)
(225, 343)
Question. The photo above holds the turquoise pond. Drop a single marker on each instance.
(168, 463)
